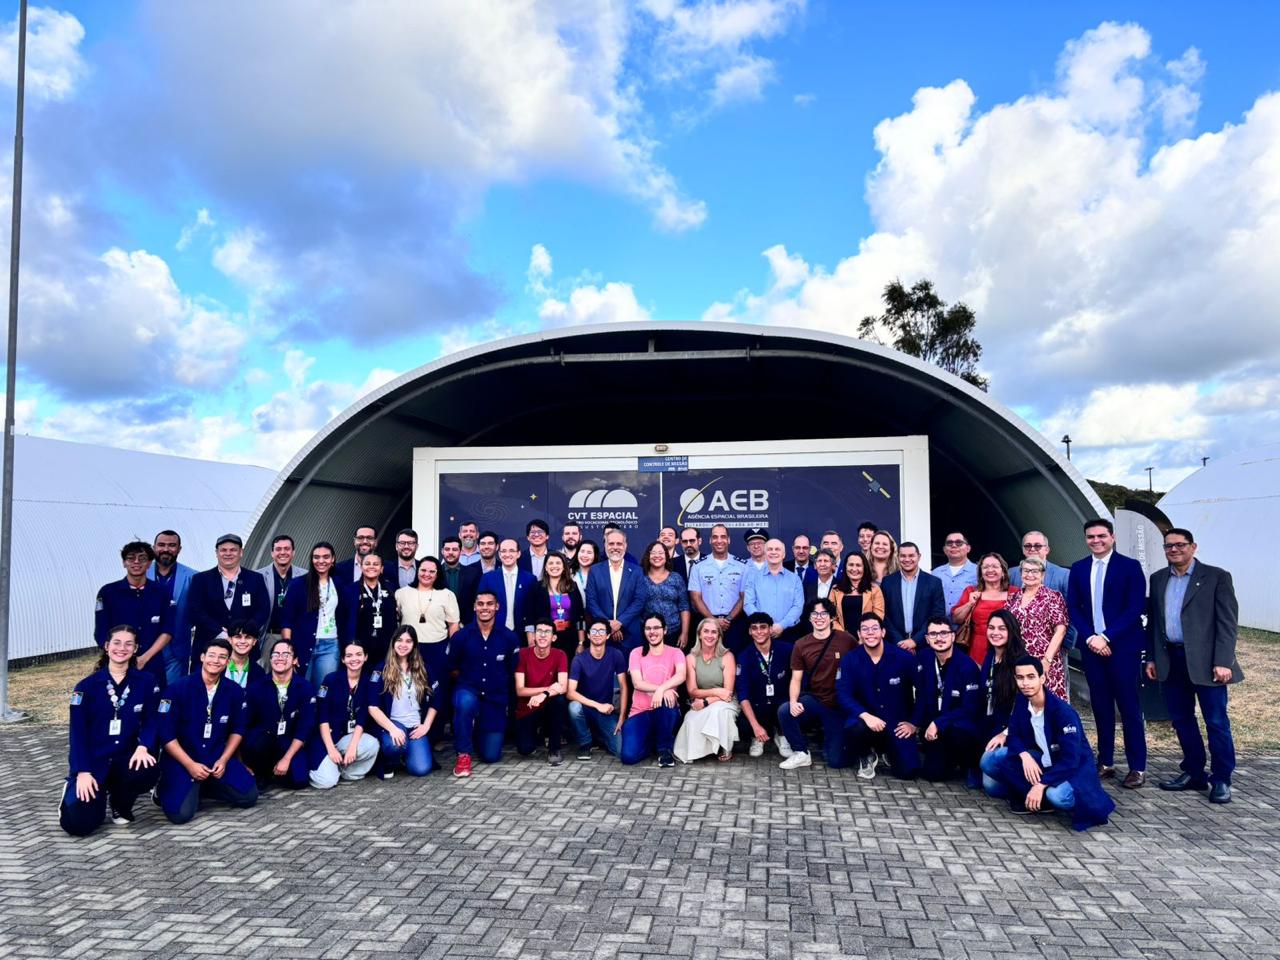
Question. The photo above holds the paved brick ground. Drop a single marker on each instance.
(590, 860)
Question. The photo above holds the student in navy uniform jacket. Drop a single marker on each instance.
(143, 604)
(949, 704)
(112, 738)
(482, 661)
(370, 610)
(281, 723)
(201, 723)
(875, 689)
(763, 685)
(402, 707)
(225, 593)
(1049, 764)
(343, 749)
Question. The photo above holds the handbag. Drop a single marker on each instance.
(964, 636)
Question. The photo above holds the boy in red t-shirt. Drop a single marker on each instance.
(542, 682)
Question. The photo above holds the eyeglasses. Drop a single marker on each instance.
(954, 543)
(281, 655)
(598, 632)
(938, 634)
(1034, 546)
(1177, 546)
(819, 614)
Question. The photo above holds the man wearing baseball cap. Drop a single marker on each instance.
(226, 593)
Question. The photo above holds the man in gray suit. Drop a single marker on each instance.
(279, 574)
(1191, 639)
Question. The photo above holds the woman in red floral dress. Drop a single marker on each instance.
(1042, 615)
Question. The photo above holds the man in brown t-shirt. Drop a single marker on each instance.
(815, 664)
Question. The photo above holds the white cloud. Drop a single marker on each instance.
(1114, 275)
(539, 269)
(54, 65)
(241, 258)
(176, 433)
(611, 303)
(804, 99)
(203, 221)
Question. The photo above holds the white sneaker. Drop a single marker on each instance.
(798, 758)
(756, 749)
(784, 748)
(867, 768)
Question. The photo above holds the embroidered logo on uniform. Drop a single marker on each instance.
(137, 708)
(165, 705)
(155, 619)
(501, 657)
(955, 693)
(894, 681)
(1071, 728)
(971, 686)
(323, 691)
(375, 677)
(223, 719)
(77, 698)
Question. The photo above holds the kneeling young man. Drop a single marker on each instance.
(949, 704)
(1049, 764)
(282, 721)
(876, 688)
(201, 723)
(815, 672)
(764, 681)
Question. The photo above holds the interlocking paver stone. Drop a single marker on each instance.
(722, 862)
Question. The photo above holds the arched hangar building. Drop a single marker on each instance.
(990, 473)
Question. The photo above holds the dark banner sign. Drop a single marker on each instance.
(786, 500)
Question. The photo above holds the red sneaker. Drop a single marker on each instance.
(463, 767)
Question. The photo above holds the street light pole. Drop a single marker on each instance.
(11, 379)
(1066, 438)
(1150, 488)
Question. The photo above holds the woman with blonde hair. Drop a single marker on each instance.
(402, 706)
(711, 725)
(883, 556)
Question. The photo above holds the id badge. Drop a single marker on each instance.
(208, 731)
(377, 621)
(113, 728)
(768, 690)
(351, 726)
(246, 600)
(280, 727)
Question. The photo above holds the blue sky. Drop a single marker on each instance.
(239, 217)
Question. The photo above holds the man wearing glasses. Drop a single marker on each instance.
(689, 554)
(959, 571)
(1035, 546)
(593, 677)
(1191, 650)
(950, 701)
(815, 665)
(1107, 597)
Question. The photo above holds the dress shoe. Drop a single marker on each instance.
(1105, 771)
(1220, 793)
(1183, 781)
(1134, 779)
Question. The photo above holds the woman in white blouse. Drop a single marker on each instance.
(433, 613)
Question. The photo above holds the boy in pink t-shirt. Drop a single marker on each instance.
(657, 673)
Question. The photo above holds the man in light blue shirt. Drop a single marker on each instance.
(775, 590)
(958, 572)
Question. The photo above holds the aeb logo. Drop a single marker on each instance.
(708, 503)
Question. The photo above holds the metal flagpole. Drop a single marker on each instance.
(11, 377)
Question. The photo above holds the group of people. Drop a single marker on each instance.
(219, 684)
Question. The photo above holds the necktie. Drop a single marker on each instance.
(1099, 622)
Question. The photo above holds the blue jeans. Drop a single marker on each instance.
(478, 725)
(415, 754)
(1061, 797)
(1180, 695)
(589, 724)
(645, 731)
(324, 660)
(832, 720)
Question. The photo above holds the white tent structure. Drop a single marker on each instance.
(75, 505)
(1232, 505)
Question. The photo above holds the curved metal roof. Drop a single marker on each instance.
(992, 475)
(1232, 505)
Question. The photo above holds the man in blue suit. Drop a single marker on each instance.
(512, 587)
(911, 597)
(226, 593)
(1106, 597)
(168, 572)
(617, 591)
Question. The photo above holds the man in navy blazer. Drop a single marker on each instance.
(225, 594)
(512, 587)
(625, 612)
(924, 590)
(365, 541)
(1106, 597)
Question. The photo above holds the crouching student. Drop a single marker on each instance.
(542, 681)
(764, 681)
(1004, 649)
(201, 721)
(593, 677)
(113, 738)
(816, 660)
(876, 688)
(482, 660)
(1049, 764)
(342, 751)
(948, 706)
(282, 722)
(657, 673)
(403, 707)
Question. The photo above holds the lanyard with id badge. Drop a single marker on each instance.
(115, 725)
(208, 714)
(376, 602)
(765, 664)
(282, 696)
(351, 712)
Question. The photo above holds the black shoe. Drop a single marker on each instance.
(584, 753)
(1220, 793)
(666, 760)
(554, 758)
(121, 817)
(1183, 781)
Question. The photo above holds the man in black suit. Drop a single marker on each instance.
(404, 572)
(689, 552)
(800, 563)
(226, 593)
(911, 598)
(462, 578)
(824, 575)
(365, 541)
(1191, 643)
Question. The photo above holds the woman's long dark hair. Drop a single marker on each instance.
(1003, 685)
(103, 659)
(644, 649)
(844, 584)
(313, 578)
(595, 553)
